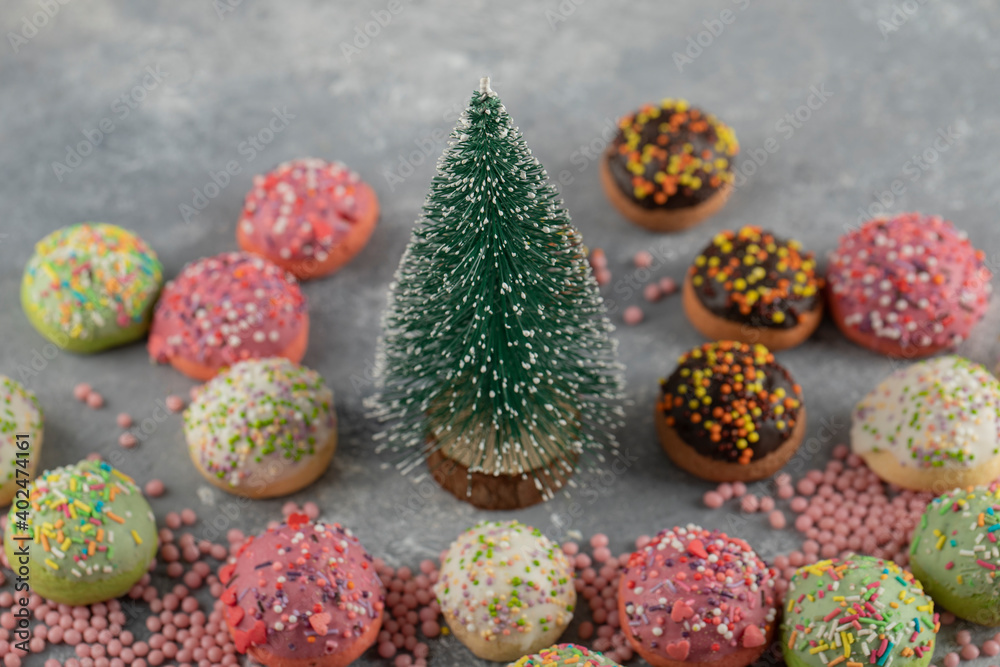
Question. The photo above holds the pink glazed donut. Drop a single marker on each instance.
(672, 588)
(228, 308)
(909, 286)
(303, 594)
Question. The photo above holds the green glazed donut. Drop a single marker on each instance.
(841, 612)
(91, 534)
(91, 286)
(955, 553)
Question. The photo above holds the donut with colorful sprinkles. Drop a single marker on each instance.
(262, 428)
(565, 655)
(505, 590)
(21, 430)
(228, 308)
(931, 426)
(670, 166)
(308, 216)
(302, 594)
(955, 555)
(909, 286)
(695, 597)
(91, 286)
(857, 612)
(752, 286)
(90, 534)
(730, 412)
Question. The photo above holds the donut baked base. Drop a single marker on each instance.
(661, 220)
(714, 470)
(503, 648)
(198, 371)
(884, 346)
(265, 655)
(494, 492)
(340, 254)
(281, 485)
(714, 327)
(936, 480)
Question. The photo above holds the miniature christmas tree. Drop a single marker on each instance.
(495, 363)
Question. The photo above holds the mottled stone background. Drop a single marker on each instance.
(885, 80)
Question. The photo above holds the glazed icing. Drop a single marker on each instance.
(697, 595)
(731, 401)
(671, 155)
(303, 590)
(302, 208)
(90, 280)
(857, 612)
(503, 578)
(227, 308)
(913, 279)
(258, 414)
(939, 413)
(565, 655)
(752, 276)
(956, 548)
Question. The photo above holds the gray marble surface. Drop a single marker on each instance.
(185, 87)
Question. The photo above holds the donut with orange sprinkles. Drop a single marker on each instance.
(670, 166)
(909, 286)
(302, 593)
(228, 308)
(308, 216)
(729, 412)
(753, 286)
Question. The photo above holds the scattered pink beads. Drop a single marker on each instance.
(652, 292)
(643, 259)
(81, 392)
(633, 315)
(94, 400)
(667, 286)
(154, 488)
(175, 403)
(124, 420)
(128, 440)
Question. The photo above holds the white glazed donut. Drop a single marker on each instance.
(263, 428)
(487, 569)
(931, 426)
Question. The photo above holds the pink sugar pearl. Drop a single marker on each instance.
(124, 420)
(598, 258)
(643, 259)
(963, 637)
(188, 516)
(725, 490)
(750, 504)
(652, 292)
(668, 286)
(970, 652)
(174, 403)
(602, 276)
(991, 648)
(95, 401)
(155, 488)
(739, 489)
(81, 391)
(766, 504)
(806, 487)
(633, 315)
(713, 499)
